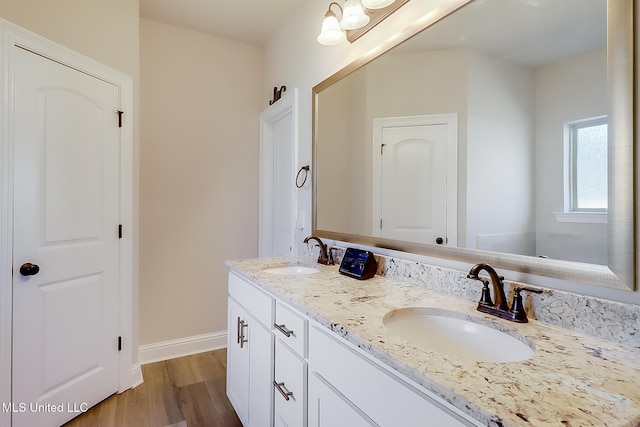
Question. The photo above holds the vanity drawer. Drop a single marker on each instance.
(257, 302)
(291, 328)
(383, 397)
(290, 383)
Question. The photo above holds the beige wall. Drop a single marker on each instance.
(196, 173)
(199, 176)
(103, 30)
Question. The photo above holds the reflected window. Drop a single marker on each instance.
(587, 147)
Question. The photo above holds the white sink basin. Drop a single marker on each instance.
(292, 270)
(456, 334)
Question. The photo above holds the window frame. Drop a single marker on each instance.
(571, 212)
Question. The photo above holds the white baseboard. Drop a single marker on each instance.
(165, 350)
(136, 375)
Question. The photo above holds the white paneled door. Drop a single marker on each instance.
(278, 152)
(283, 185)
(66, 222)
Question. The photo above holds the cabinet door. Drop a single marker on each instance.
(290, 382)
(238, 361)
(328, 408)
(260, 342)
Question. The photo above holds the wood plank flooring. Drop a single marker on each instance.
(184, 392)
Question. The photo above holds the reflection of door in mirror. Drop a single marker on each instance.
(410, 178)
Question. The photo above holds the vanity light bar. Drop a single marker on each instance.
(355, 15)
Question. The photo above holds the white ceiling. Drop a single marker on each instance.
(254, 21)
(249, 21)
(529, 32)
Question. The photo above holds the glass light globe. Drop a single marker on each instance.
(331, 32)
(353, 15)
(376, 4)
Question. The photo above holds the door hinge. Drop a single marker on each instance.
(380, 223)
(120, 113)
(120, 343)
(119, 231)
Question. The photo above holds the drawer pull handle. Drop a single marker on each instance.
(286, 394)
(242, 339)
(283, 329)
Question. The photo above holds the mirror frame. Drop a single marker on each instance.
(621, 270)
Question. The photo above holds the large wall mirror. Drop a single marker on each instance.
(503, 132)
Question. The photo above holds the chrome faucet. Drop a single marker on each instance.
(325, 257)
(500, 309)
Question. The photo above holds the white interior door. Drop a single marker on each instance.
(66, 217)
(277, 179)
(283, 185)
(412, 182)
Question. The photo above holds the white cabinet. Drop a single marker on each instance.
(329, 408)
(291, 328)
(250, 349)
(238, 362)
(290, 382)
(290, 377)
(287, 370)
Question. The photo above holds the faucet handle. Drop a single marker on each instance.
(329, 260)
(485, 298)
(517, 308)
(331, 254)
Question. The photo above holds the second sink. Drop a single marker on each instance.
(292, 270)
(455, 334)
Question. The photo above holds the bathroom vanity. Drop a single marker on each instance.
(309, 347)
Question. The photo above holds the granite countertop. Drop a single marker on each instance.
(572, 380)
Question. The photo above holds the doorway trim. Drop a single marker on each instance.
(12, 36)
(287, 105)
(451, 121)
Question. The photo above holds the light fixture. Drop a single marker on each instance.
(357, 18)
(376, 4)
(331, 32)
(353, 16)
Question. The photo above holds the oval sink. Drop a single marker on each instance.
(292, 270)
(456, 334)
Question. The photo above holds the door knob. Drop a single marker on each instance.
(28, 269)
(439, 240)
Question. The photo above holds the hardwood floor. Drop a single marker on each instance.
(184, 392)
